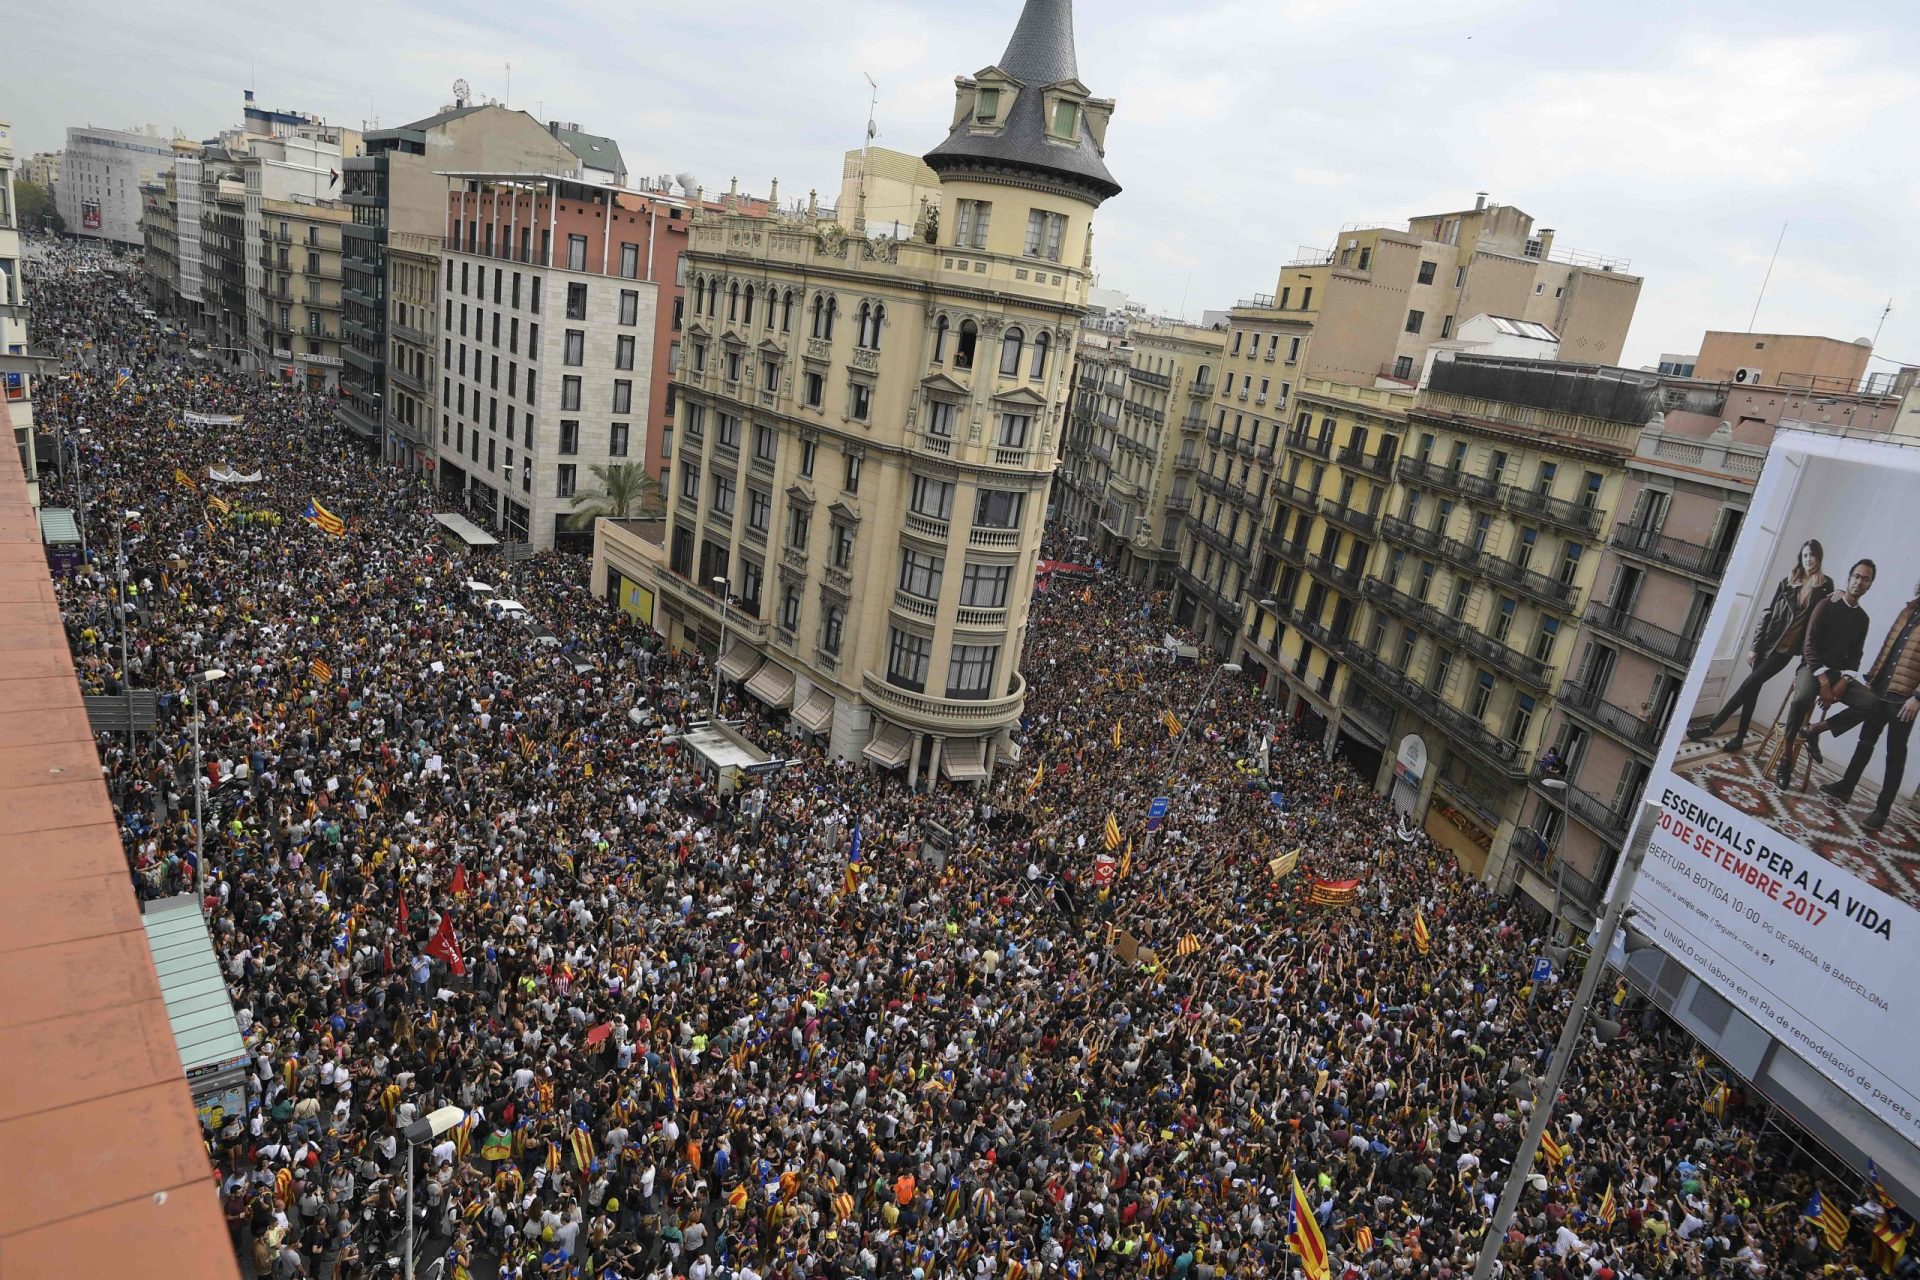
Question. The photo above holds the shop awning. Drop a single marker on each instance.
(890, 746)
(741, 661)
(815, 712)
(205, 1030)
(964, 759)
(773, 685)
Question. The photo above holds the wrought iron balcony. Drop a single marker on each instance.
(1338, 574)
(1318, 446)
(1460, 728)
(1359, 522)
(1453, 479)
(1537, 585)
(1408, 532)
(1668, 646)
(1569, 515)
(1671, 553)
(1294, 495)
(1372, 463)
(1588, 705)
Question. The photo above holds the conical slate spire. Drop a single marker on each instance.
(1041, 51)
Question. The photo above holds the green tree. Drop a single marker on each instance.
(36, 209)
(626, 491)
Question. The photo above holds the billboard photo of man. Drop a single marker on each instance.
(1885, 704)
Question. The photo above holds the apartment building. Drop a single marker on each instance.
(1101, 358)
(16, 386)
(101, 174)
(869, 426)
(300, 242)
(1369, 310)
(397, 194)
(1682, 506)
(546, 341)
(160, 238)
(1148, 489)
(42, 169)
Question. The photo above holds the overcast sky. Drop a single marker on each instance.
(1679, 135)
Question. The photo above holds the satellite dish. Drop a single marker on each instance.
(461, 93)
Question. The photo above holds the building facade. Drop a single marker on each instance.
(160, 238)
(868, 427)
(42, 169)
(547, 335)
(299, 334)
(394, 188)
(16, 388)
(1101, 358)
(101, 174)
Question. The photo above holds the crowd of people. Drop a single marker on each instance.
(829, 1026)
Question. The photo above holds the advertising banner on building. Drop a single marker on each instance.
(1785, 869)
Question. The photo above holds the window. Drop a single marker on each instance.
(1426, 272)
(859, 400)
(1570, 563)
(799, 526)
(786, 311)
(986, 106)
(970, 220)
(1523, 553)
(1482, 695)
(970, 670)
(576, 301)
(629, 261)
(623, 351)
(1011, 348)
(1066, 119)
(727, 434)
(630, 307)
(871, 317)
(723, 492)
(1238, 336)
(752, 580)
(569, 436)
(808, 451)
(769, 374)
(690, 482)
(1013, 430)
(907, 656)
(1459, 276)
(1414, 320)
(789, 608)
(1403, 368)
(732, 359)
(617, 440)
(1544, 639)
(1519, 719)
(932, 498)
(1543, 483)
(1293, 351)
(920, 573)
(1045, 231)
(825, 309)
(564, 479)
(852, 478)
(940, 330)
(570, 393)
(963, 350)
(699, 357)
(998, 509)
(843, 546)
(814, 387)
(833, 625)
(1590, 490)
(984, 586)
(759, 510)
(574, 351)
(1408, 638)
(576, 261)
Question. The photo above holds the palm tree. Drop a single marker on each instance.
(626, 490)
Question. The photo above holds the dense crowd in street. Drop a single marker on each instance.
(446, 866)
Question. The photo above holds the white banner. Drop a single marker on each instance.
(227, 475)
(193, 419)
(1799, 900)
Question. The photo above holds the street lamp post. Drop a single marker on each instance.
(194, 681)
(429, 1127)
(126, 622)
(721, 653)
(1634, 855)
(1558, 787)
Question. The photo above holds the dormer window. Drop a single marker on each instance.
(1066, 120)
(986, 108)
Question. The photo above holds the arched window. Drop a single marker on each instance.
(819, 315)
(773, 305)
(748, 299)
(699, 296)
(1203, 377)
(963, 350)
(1011, 348)
(733, 301)
(1041, 343)
(786, 311)
(879, 318)
(940, 340)
(833, 310)
(863, 322)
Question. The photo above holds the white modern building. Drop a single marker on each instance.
(100, 179)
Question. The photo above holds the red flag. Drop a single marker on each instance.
(459, 885)
(444, 946)
(596, 1034)
(400, 894)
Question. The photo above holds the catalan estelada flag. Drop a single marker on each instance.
(1039, 776)
(1172, 722)
(1304, 1237)
(184, 480)
(1830, 1218)
(324, 520)
(581, 1140)
(1112, 833)
(321, 671)
(219, 504)
(673, 1082)
(1421, 938)
(1607, 1208)
(1126, 862)
(121, 377)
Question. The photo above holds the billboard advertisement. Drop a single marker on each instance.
(1785, 868)
(90, 215)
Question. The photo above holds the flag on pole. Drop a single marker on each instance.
(324, 520)
(1303, 1234)
(219, 503)
(1555, 1151)
(673, 1082)
(1116, 735)
(1126, 860)
(1421, 938)
(184, 480)
(1607, 1207)
(458, 885)
(1172, 722)
(403, 909)
(444, 946)
(1112, 833)
(320, 670)
(121, 377)
(1829, 1217)
(1086, 595)
(1039, 776)
(1889, 1243)
(1873, 1182)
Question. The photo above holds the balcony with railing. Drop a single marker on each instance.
(1410, 533)
(1293, 551)
(942, 715)
(1522, 667)
(1179, 500)
(987, 538)
(1610, 820)
(1532, 850)
(1187, 460)
(1668, 646)
(1641, 734)
(1453, 479)
(1201, 390)
(1537, 585)
(1373, 464)
(1670, 553)
(1149, 377)
(1362, 523)
(1459, 727)
(1318, 446)
(1296, 496)
(928, 527)
(1332, 571)
(1568, 515)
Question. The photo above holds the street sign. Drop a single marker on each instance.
(1542, 969)
(1277, 799)
(1157, 813)
(765, 767)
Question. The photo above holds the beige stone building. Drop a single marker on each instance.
(868, 430)
(1783, 360)
(300, 272)
(898, 189)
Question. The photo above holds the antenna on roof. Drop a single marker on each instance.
(860, 205)
(1755, 317)
(508, 100)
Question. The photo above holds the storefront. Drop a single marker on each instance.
(1459, 831)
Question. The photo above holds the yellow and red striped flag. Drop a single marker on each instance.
(184, 480)
(1304, 1235)
(1039, 776)
(1555, 1151)
(320, 670)
(1112, 833)
(1607, 1207)
(1116, 735)
(1187, 946)
(1421, 938)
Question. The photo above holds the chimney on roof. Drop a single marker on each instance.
(1479, 201)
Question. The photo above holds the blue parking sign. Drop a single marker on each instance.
(1156, 813)
(1542, 969)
